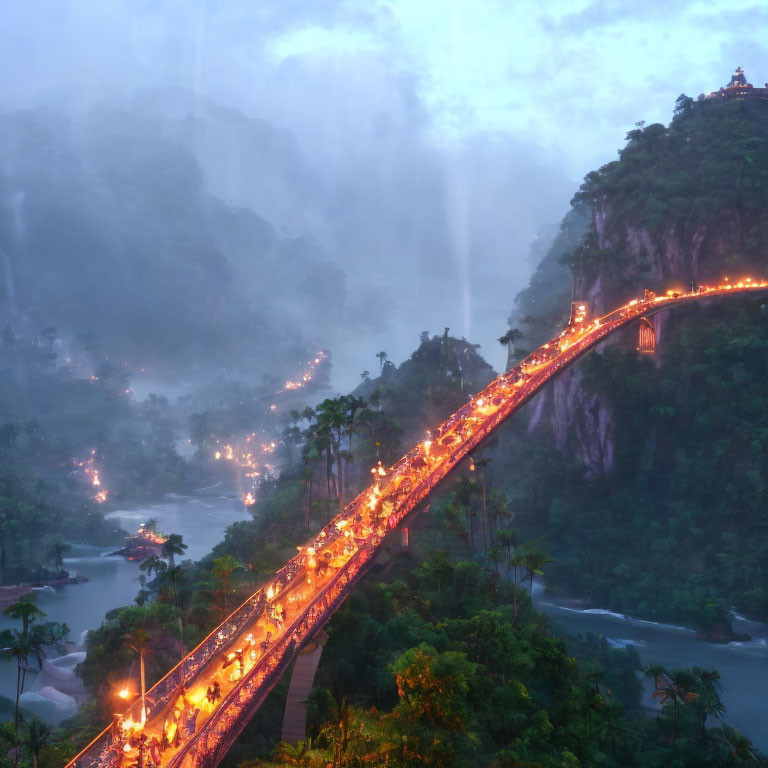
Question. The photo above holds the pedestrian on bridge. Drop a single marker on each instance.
(190, 722)
(154, 752)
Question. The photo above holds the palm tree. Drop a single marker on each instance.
(335, 421)
(518, 561)
(26, 611)
(158, 566)
(332, 421)
(354, 404)
(38, 734)
(174, 574)
(507, 537)
(318, 443)
(737, 748)
(483, 463)
(153, 564)
(533, 560)
(139, 641)
(173, 546)
(222, 569)
(464, 492)
(22, 646)
(18, 647)
(709, 687)
(673, 689)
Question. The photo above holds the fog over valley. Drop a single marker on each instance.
(383, 382)
(222, 239)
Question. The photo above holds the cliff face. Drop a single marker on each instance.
(676, 255)
(683, 205)
(644, 475)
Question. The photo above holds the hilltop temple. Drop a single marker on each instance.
(738, 79)
(738, 87)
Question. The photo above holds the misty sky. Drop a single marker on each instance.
(507, 104)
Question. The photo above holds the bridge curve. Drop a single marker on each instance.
(248, 652)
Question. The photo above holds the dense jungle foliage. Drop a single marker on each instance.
(703, 175)
(438, 657)
(679, 524)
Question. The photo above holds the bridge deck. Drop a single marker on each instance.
(247, 653)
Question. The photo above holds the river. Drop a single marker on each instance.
(113, 582)
(202, 521)
(743, 666)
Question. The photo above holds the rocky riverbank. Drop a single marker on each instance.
(12, 593)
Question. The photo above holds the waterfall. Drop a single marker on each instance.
(10, 286)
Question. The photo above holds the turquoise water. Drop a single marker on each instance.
(113, 582)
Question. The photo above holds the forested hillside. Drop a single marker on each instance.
(438, 657)
(107, 223)
(645, 475)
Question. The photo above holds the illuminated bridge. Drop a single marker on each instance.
(201, 706)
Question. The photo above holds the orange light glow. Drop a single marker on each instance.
(307, 375)
(93, 475)
(323, 571)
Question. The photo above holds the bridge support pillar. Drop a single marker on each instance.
(579, 313)
(646, 335)
(295, 716)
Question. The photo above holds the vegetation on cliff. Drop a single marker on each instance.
(701, 179)
(676, 530)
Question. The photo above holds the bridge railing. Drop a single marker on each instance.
(226, 721)
(233, 712)
(185, 673)
(181, 676)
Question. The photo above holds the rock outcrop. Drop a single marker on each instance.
(685, 204)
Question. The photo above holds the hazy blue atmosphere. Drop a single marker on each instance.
(383, 383)
(422, 147)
